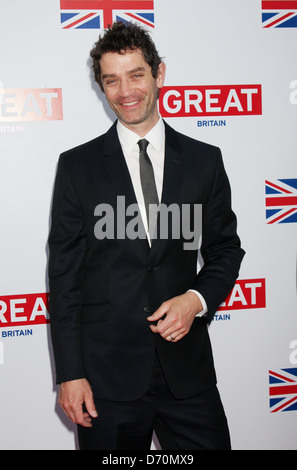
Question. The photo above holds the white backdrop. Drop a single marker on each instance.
(216, 53)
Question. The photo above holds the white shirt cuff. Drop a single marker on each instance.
(204, 310)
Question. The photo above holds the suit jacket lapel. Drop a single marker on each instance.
(173, 167)
(117, 169)
(172, 177)
(116, 166)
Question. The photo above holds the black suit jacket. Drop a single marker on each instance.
(101, 291)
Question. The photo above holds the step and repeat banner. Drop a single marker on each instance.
(232, 82)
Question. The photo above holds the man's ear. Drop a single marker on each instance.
(161, 75)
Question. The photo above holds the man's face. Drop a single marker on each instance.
(130, 88)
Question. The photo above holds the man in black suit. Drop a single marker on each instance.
(129, 312)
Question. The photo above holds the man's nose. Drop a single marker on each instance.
(125, 88)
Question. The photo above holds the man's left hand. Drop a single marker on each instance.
(180, 312)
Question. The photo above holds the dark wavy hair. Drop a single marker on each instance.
(121, 37)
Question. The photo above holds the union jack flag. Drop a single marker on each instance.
(279, 14)
(99, 14)
(281, 201)
(283, 390)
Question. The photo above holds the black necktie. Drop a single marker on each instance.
(148, 186)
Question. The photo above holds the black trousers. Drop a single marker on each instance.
(196, 423)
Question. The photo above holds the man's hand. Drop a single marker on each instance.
(72, 396)
(180, 312)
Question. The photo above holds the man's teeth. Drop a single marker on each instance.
(130, 104)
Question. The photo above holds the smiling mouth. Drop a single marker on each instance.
(131, 103)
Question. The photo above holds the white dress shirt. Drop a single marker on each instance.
(156, 151)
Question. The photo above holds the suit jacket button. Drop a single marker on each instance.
(147, 309)
(153, 268)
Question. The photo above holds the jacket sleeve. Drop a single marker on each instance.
(220, 249)
(67, 247)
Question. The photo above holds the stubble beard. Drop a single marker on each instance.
(148, 112)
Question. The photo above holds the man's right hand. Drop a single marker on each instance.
(72, 396)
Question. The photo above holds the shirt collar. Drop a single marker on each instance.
(155, 136)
